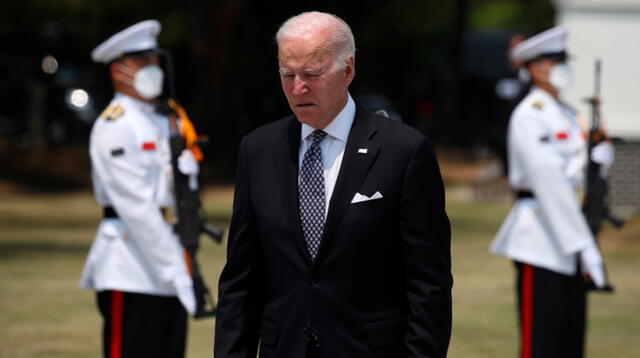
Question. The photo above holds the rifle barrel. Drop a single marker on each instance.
(213, 232)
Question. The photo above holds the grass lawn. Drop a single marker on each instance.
(44, 240)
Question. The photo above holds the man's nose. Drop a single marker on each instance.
(299, 86)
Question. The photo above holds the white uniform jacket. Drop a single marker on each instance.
(131, 172)
(547, 156)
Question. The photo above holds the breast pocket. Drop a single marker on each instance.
(153, 165)
(386, 333)
(566, 141)
(150, 157)
(369, 203)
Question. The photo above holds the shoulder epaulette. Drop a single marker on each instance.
(538, 105)
(111, 113)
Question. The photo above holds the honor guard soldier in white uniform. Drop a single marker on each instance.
(546, 234)
(136, 263)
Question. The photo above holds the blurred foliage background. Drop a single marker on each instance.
(433, 63)
(438, 65)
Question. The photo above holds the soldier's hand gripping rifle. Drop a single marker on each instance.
(190, 222)
(596, 206)
(190, 219)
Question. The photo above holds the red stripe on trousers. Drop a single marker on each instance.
(527, 311)
(117, 308)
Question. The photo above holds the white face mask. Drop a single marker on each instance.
(560, 76)
(147, 81)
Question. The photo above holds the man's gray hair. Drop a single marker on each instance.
(342, 41)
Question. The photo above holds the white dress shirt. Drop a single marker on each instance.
(332, 147)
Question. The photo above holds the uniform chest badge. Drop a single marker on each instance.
(562, 135)
(149, 146)
(117, 152)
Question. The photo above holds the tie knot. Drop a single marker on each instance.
(317, 136)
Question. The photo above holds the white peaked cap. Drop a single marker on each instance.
(139, 37)
(547, 42)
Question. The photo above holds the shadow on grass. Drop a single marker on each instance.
(21, 249)
(49, 223)
(56, 223)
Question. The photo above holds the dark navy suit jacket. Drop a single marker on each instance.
(380, 285)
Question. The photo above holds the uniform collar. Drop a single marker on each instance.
(542, 93)
(340, 127)
(141, 105)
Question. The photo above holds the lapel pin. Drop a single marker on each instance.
(362, 151)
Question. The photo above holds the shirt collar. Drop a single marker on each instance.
(338, 128)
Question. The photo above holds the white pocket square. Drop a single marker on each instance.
(358, 198)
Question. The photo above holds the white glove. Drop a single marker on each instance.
(591, 261)
(184, 287)
(188, 165)
(604, 155)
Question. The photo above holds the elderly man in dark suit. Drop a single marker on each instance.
(339, 243)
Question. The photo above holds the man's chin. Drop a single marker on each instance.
(305, 116)
(308, 120)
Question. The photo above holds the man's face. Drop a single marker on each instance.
(541, 69)
(314, 84)
(124, 70)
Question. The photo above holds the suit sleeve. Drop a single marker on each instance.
(241, 286)
(551, 187)
(426, 236)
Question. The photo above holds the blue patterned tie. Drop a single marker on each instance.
(311, 192)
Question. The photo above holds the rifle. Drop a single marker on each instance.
(190, 219)
(596, 204)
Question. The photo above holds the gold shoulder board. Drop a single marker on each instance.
(538, 105)
(111, 113)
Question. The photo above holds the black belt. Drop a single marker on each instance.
(108, 212)
(522, 194)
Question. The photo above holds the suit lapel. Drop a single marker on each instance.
(353, 170)
(285, 159)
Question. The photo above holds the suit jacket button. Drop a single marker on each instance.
(314, 283)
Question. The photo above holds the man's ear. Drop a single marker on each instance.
(350, 70)
(533, 69)
(115, 71)
(536, 69)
